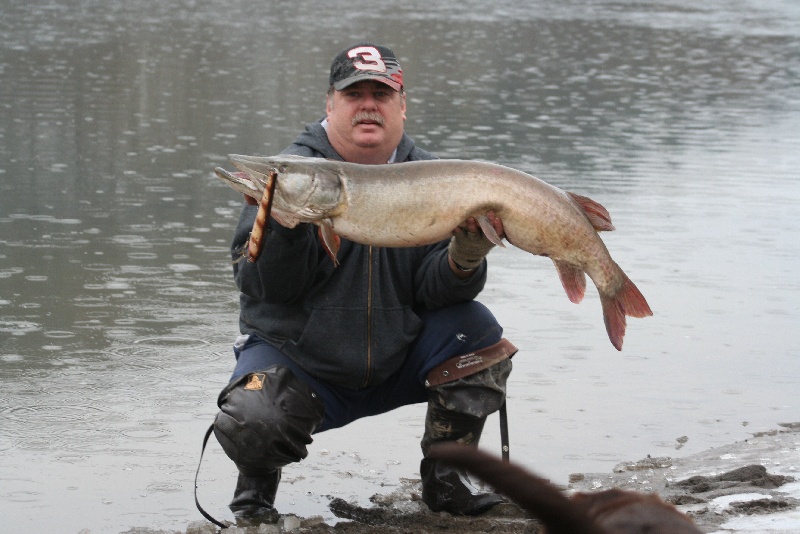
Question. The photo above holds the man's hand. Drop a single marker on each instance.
(469, 244)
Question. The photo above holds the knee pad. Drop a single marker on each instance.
(266, 419)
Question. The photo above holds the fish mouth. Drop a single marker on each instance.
(241, 182)
(255, 169)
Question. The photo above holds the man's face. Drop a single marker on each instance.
(366, 117)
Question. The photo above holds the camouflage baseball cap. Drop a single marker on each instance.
(366, 61)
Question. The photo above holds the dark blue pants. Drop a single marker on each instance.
(446, 333)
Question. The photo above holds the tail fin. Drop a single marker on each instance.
(627, 301)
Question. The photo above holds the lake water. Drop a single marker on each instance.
(117, 306)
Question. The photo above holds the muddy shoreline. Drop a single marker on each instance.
(733, 488)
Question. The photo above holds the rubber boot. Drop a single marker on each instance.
(266, 419)
(457, 412)
(254, 498)
(451, 490)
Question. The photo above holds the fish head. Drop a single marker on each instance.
(307, 189)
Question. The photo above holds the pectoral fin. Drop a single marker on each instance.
(330, 240)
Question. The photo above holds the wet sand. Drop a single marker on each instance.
(748, 486)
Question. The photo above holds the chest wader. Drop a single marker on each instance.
(267, 417)
(463, 391)
(265, 421)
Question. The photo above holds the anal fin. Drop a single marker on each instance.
(573, 279)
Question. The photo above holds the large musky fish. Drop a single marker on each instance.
(422, 202)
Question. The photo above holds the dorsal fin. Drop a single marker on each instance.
(596, 213)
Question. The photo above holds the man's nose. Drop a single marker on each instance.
(368, 101)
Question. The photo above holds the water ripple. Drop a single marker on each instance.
(19, 328)
(41, 413)
(170, 341)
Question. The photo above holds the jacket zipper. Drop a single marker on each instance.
(369, 320)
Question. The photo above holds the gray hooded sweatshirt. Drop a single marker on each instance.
(349, 325)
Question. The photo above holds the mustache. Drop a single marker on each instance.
(366, 116)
